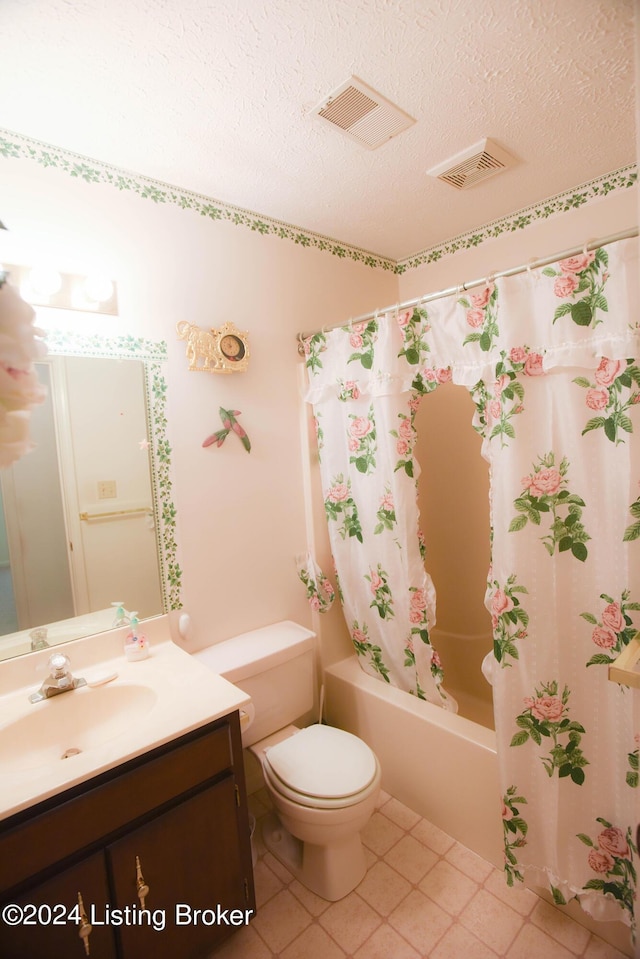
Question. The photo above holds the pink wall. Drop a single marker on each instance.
(241, 517)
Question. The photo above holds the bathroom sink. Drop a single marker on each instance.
(55, 744)
(71, 723)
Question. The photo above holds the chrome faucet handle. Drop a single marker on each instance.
(59, 679)
(38, 637)
(59, 665)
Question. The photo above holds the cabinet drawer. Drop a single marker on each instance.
(74, 824)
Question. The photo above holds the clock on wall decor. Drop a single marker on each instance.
(233, 347)
(215, 351)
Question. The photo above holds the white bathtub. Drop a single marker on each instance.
(439, 764)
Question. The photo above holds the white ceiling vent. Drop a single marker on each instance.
(363, 114)
(465, 169)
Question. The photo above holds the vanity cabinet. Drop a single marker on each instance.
(174, 821)
(45, 935)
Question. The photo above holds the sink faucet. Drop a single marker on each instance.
(59, 679)
(38, 638)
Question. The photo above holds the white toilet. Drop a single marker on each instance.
(323, 782)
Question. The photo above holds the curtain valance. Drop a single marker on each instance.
(570, 314)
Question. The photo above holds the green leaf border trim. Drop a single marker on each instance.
(152, 354)
(19, 147)
(620, 179)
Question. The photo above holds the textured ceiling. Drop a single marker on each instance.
(214, 96)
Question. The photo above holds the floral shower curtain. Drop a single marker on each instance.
(551, 359)
(364, 405)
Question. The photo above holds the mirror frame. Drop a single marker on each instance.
(152, 354)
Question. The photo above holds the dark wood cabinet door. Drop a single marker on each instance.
(50, 934)
(192, 862)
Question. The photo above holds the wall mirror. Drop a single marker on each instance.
(86, 518)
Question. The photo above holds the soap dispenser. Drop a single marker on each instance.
(122, 618)
(136, 646)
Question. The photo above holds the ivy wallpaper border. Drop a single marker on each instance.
(19, 147)
(561, 203)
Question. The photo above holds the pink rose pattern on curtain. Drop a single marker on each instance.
(364, 408)
(552, 362)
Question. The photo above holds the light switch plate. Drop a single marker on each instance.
(107, 489)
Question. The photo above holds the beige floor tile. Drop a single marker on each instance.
(448, 887)
(266, 883)
(459, 943)
(493, 922)
(383, 798)
(532, 941)
(383, 888)
(370, 857)
(419, 920)
(315, 904)
(281, 920)
(350, 921)
(313, 943)
(380, 834)
(262, 796)
(467, 862)
(424, 894)
(256, 806)
(432, 837)
(243, 944)
(599, 949)
(400, 814)
(276, 867)
(411, 858)
(517, 896)
(560, 927)
(257, 842)
(386, 943)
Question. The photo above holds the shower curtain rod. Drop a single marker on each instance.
(533, 264)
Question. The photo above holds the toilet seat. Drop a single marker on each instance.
(322, 767)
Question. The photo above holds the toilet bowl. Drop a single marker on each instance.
(324, 784)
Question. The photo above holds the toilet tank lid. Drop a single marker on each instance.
(260, 649)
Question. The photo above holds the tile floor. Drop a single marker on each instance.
(424, 894)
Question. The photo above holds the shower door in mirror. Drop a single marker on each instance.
(78, 509)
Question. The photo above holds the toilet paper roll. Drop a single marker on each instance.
(247, 715)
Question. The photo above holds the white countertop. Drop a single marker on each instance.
(188, 696)
(62, 631)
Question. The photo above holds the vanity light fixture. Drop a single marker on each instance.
(46, 286)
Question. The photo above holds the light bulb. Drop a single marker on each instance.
(45, 281)
(98, 288)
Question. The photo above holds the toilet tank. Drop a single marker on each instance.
(275, 666)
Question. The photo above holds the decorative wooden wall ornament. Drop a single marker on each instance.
(230, 423)
(215, 351)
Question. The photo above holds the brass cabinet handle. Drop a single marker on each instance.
(141, 886)
(85, 926)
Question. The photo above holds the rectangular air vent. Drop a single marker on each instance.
(471, 166)
(363, 114)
